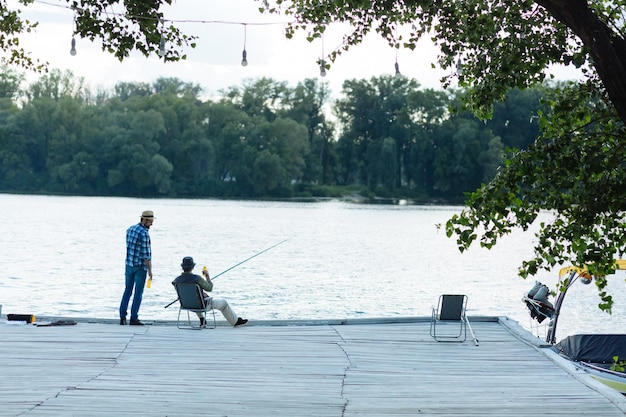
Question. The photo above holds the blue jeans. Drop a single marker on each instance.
(135, 278)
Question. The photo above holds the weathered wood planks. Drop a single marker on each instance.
(367, 369)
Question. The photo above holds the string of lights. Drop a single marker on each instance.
(162, 45)
(199, 21)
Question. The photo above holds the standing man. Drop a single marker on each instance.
(138, 264)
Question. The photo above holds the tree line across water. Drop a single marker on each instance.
(383, 137)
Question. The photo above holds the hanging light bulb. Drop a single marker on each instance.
(459, 66)
(162, 47)
(73, 49)
(322, 61)
(244, 54)
(396, 65)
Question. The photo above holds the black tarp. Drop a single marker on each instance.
(595, 348)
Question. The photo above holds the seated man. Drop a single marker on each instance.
(222, 305)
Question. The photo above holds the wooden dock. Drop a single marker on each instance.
(295, 369)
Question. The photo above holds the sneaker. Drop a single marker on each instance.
(123, 321)
(135, 323)
(202, 322)
(241, 322)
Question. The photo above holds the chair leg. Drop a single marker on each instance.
(204, 314)
(432, 324)
(471, 331)
(189, 324)
(210, 307)
(179, 325)
(446, 337)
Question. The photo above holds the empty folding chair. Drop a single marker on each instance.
(449, 322)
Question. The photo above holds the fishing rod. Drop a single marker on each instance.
(236, 265)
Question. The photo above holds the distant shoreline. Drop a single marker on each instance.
(353, 198)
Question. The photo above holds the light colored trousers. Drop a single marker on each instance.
(223, 306)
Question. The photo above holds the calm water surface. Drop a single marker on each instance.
(64, 256)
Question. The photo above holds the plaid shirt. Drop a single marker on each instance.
(137, 246)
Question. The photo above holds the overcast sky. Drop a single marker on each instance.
(215, 63)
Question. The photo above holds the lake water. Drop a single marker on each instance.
(64, 256)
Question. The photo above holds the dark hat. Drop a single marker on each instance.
(148, 214)
(187, 262)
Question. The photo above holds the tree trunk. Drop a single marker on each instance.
(607, 48)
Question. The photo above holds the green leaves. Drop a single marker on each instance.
(571, 173)
(134, 26)
(11, 26)
(618, 366)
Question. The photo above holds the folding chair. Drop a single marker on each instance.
(450, 311)
(191, 299)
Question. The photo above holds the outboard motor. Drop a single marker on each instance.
(537, 302)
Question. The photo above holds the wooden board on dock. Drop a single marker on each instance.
(327, 369)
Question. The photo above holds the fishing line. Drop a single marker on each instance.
(246, 260)
(236, 265)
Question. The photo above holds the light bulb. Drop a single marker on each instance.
(323, 68)
(459, 66)
(398, 70)
(73, 50)
(162, 47)
(244, 58)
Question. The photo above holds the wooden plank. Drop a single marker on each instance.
(368, 369)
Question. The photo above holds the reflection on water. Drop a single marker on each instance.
(64, 256)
